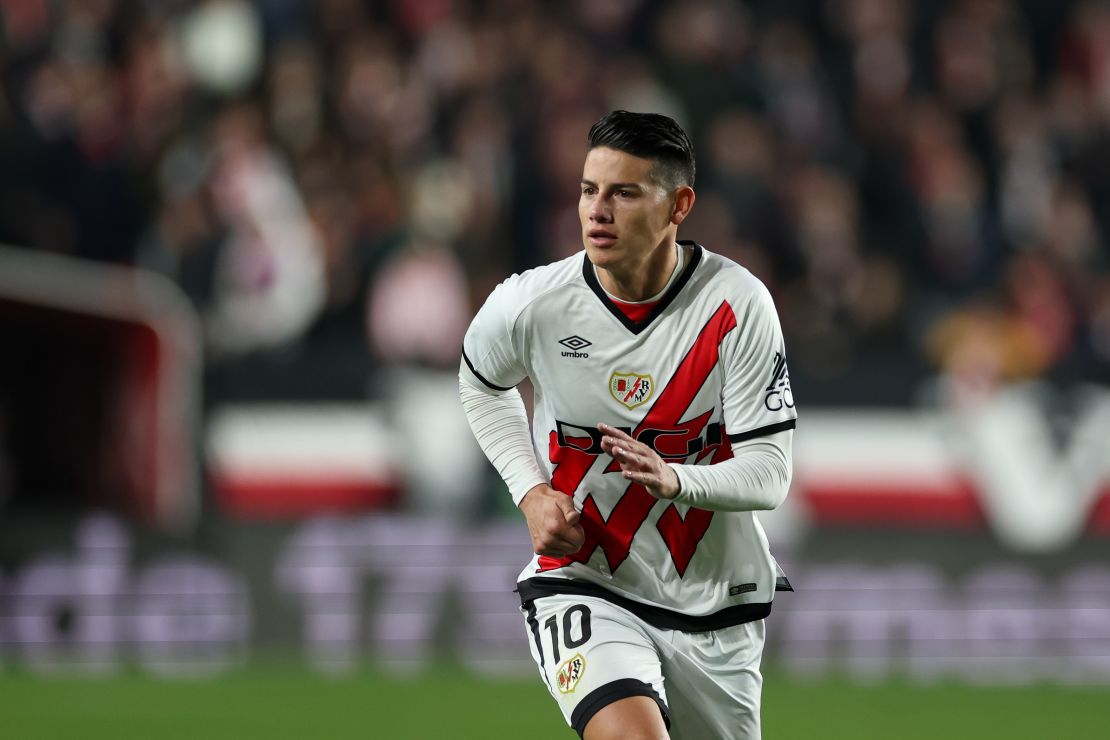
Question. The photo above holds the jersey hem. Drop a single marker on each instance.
(657, 616)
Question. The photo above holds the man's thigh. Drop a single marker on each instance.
(590, 654)
(714, 684)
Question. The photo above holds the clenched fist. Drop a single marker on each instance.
(552, 522)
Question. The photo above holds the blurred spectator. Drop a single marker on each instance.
(908, 178)
(417, 317)
(261, 259)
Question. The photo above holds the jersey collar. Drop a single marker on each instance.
(636, 327)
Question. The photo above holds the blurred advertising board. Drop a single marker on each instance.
(402, 592)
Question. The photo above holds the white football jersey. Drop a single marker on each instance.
(705, 369)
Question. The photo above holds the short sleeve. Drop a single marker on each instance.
(757, 397)
(490, 349)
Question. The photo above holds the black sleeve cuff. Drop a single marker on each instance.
(766, 431)
(481, 377)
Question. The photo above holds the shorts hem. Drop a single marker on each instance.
(603, 696)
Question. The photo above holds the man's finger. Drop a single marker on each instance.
(572, 517)
(610, 444)
(566, 504)
(621, 453)
(577, 538)
(559, 545)
(627, 457)
(628, 449)
(614, 432)
(558, 552)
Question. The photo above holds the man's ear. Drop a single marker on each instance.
(683, 203)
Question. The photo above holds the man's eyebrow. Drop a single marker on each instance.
(621, 185)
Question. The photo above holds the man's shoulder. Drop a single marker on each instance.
(731, 277)
(519, 290)
(558, 272)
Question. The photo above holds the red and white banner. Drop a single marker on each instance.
(996, 466)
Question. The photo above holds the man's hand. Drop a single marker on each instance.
(639, 463)
(552, 521)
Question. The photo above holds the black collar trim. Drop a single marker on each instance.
(636, 327)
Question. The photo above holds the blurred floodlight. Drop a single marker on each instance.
(222, 45)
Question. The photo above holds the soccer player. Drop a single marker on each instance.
(663, 420)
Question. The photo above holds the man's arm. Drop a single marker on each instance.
(500, 424)
(757, 477)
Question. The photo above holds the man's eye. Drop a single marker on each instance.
(624, 193)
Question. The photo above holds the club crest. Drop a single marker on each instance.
(570, 673)
(631, 389)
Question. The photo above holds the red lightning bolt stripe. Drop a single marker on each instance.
(614, 535)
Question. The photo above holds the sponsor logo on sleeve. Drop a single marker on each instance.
(631, 389)
(778, 395)
(570, 673)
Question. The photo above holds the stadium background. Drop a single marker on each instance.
(237, 495)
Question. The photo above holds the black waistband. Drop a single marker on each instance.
(656, 616)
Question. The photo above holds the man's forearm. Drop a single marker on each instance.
(500, 424)
(756, 478)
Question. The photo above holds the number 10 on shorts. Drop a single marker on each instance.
(569, 639)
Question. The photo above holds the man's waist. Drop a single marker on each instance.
(655, 615)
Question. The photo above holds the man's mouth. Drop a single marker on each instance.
(601, 238)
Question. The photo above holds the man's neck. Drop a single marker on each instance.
(644, 279)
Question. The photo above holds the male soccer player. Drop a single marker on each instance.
(663, 419)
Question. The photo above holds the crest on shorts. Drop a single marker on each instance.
(570, 673)
(631, 389)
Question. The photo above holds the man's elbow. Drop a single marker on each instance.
(777, 488)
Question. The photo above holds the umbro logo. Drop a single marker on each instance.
(575, 343)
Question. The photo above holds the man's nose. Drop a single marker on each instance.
(600, 211)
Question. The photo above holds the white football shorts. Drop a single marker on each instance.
(592, 653)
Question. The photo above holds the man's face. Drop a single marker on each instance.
(624, 213)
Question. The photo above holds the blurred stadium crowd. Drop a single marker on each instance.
(337, 184)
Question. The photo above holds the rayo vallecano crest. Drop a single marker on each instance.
(570, 673)
(631, 389)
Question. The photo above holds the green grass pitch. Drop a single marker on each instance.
(288, 702)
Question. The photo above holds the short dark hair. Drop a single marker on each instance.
(651, 136)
